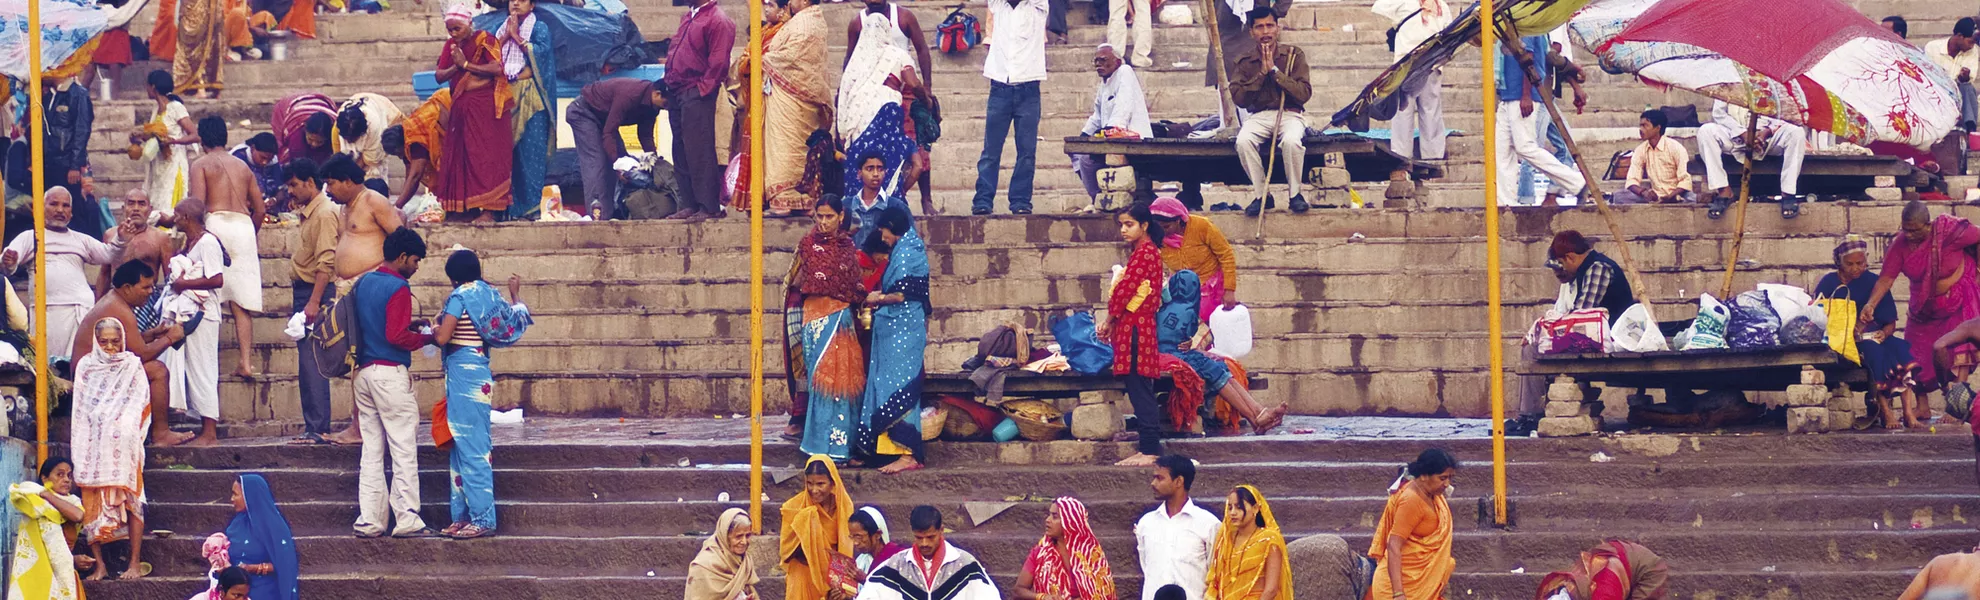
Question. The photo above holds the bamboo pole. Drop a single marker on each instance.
(1227, 110)
(40, 182)
(1495, 329)
(1739, 219)
(755, 132)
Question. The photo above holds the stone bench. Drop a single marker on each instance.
(1820, 384)
(1093, 418)
(1852, 177)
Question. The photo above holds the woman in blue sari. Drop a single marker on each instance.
(260, 543)
(828, 285)
(890, 415)
(532, 70)
(475, 319)
(1175, 328)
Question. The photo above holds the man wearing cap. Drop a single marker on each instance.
(1119, 109)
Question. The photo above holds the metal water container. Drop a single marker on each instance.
(106, 88)
(278, 45)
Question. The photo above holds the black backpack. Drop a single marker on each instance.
(335, 337)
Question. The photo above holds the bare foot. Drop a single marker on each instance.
(486, 217)
(96, 575)
(170, 438)
(905, 464)
(132, 573)
(1138, 460)
(347, 437)
(1269, 419)
(793, 431)
(245, 371)
(203, 441)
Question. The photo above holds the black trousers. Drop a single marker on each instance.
(696, 169)
(1147, 414)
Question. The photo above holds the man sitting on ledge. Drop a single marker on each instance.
(1273, 93)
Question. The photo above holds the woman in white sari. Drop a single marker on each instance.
(872, 116)
(165, 144)
(111, 415)
(799, 103)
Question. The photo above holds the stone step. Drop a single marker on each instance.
(1546, 512)
(1811, 585)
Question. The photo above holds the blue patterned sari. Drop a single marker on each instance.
(536, 103)
(890, 415)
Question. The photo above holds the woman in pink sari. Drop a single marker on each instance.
(1938, 257)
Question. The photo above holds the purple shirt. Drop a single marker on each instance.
(699, 58)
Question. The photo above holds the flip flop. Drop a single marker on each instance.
(1718, 207)
(424, 532)
(1790, 206)
(309, 439)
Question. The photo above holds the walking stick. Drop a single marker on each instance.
(1272, 157)
(1745, 191)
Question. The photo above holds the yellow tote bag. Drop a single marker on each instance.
(1842, 314)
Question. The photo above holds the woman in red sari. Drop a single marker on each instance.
(1938, 257)
(1067, 564)
(475, 162)
(1130, 329)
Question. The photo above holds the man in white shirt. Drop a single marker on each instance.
(1177, 539)
(1726, 134)
(69, 293)
(1117, 104)
(1961, 61)
(932, 565)
(1420, 111)
(1015, 68)
(200, 272)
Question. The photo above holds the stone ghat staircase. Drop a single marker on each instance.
(1358, 312)
(1742, 516)
(379, 53)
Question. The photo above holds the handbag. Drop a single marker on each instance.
(1842, 314)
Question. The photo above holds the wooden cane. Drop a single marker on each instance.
(1739, 218)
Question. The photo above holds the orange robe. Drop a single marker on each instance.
(1425, 526)
(164, 40)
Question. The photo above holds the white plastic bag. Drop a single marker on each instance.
(1178, 14)
(1231, 330)
(1635, 332)
(1709, 330)
(1788, 301)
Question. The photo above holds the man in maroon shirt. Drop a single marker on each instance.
(697, 64)
(388, 414)
(601, 109)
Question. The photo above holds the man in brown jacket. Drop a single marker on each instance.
(1273, 93)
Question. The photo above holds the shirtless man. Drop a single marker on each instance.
(368, 216)
(234, 210)
(907, 34)
(145, 244)
(132, 282)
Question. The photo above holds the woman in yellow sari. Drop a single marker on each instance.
(1250, 559)
(1412, 546)
(815, 539)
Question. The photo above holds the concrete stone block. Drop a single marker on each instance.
(1334, 177)
(1812, 376)
(1334, 160)
(1097, 421)
(1807, 420)
(1841, 419)
(1568, 409)
(1653, 446)
(1567, 426)
(1885, 194)
(1565, 392)
(1807, 395)
(1846, 401)
(1884, 181)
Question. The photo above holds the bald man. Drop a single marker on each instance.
(1118, 105)
(69, 293)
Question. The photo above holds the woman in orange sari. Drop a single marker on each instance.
(816, 545)
(1412, 546)
(478, 148)
(1250, 556)
(202, 46)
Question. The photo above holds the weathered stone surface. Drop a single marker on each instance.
(1565, 392)
(1841, 419)
(1807, 420)
(1567, 426)
(1648, 445)
(1812, 376)
(1568, 409)
(1807, 395)
(1097, 421)
(1885, 194)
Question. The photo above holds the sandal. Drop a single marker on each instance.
(1790, 206)
(1718, 207)
(310, 438)
(452, 529)
(471, 531)
(426, 532)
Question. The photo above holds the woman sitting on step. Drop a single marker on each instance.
(828, 280)
(1249, 559)
(816, 545)
(1893, 371)
(475, 320)
(1176, 326)
(1195, 244)
(890, 423)
(722, 570)
(259, 541)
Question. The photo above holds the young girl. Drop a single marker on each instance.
(1130, 328)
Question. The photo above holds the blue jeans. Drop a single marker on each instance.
(1008, 104)
(1553, 137)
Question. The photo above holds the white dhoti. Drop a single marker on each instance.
(63, 321)
(242, 284)
(195, 371)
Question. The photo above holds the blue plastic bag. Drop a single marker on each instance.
(1083, 349)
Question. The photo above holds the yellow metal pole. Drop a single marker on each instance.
(40, 183)
(755, 133)
(1495, 331)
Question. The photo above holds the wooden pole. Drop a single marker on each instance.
(1228, 107)
(1494, 329)
(1593, 192)
(1271, 161)
(1739, 217)
(36, 130)
(755, 133)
